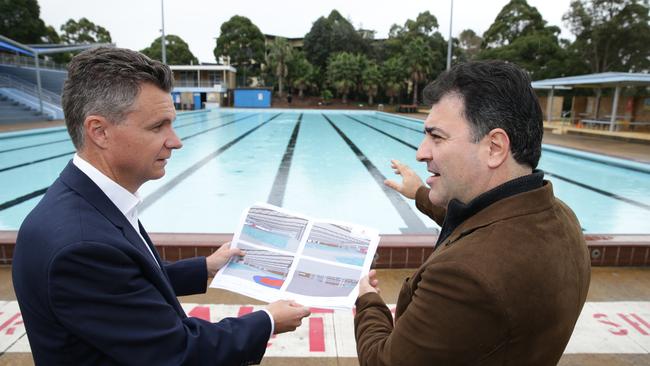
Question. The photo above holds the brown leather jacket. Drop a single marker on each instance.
(504, 288)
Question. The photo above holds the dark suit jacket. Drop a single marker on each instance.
(90, 292)
(506, 287)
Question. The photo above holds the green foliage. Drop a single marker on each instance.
(422, 47)
(343, 72)
(395, 76)
(470, 43)
(84, 31)
(332, 35)
(242, 41)
(176, 49)
(519, 34)
(612, 35)
(278, 58)
(302, 73)
(370, 80)
(20, 20)
(516, 19)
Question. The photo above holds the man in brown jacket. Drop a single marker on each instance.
(510, 270)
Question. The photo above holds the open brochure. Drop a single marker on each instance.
(289, 256)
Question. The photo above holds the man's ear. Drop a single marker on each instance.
(96, 131)
(499, 147)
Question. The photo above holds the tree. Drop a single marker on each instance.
(84, 31)
(370, 80)
(176, 49)
(279, 56)
(331, 35)
(516, 19)
(343, 73)
(418, 57)
(302, 73)
(242, 41)
(612, 35)
(422, 47)
(519, 34)
(394, 75)
(470, 43)
(20, 20)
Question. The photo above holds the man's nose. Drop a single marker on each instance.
(173, 142)
(424, 152)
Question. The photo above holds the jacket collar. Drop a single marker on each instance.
(79, 182)
(465, 215)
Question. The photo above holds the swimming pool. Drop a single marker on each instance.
(325, 164)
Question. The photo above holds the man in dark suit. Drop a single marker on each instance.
(91, 287)
(510, 270)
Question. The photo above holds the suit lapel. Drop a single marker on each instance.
(84, 186)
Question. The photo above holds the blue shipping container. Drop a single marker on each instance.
(252, 98)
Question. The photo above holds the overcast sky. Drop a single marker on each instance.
(135, 24)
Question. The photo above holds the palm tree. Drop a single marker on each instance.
(370, 79)
(343, 73)
(280, 54)
(394, 77)
(419, 57)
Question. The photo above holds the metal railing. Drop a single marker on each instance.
(10, 81)
(19, 60)
(199, 84)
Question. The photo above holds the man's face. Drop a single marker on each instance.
(455, 161)
(141, 144)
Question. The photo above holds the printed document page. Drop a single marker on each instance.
(289, 256)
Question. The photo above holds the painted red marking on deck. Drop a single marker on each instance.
(316, 335)
(201, 312)
(634, 324)
(321, 311)
(608, 322)
(9, 322)
(243, 310)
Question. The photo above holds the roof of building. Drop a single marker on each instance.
(604, 79)
(203, 68)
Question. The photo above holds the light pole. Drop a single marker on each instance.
(451, 16)
(162, 10)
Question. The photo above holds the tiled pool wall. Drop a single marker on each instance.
(395, 251)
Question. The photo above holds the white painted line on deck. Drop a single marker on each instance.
(603, 327)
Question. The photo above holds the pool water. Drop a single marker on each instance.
(324, 164)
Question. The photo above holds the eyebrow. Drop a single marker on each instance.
(431, 130)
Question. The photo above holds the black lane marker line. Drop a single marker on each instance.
(610, 163)
(35, 161)
(21, 199)
(420, 131)
(280, 183)
(598, 190)
(383, 133)
(35, 145)
(68, 139)
(413, 222)
(39, 192)
(215, 127)
(162, 190)
(72, 152)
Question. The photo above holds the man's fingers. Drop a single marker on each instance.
(392, 184)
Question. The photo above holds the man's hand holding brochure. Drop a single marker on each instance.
(289, 256)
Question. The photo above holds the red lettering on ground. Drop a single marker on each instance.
(634, 324)
(316, 335)
(201, 312)
(608, 322)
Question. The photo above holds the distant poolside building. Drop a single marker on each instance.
(202, 86)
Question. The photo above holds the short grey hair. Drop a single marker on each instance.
(105, 81)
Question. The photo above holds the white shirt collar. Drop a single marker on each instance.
(125, 201)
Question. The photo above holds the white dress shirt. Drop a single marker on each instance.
(124, 200)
